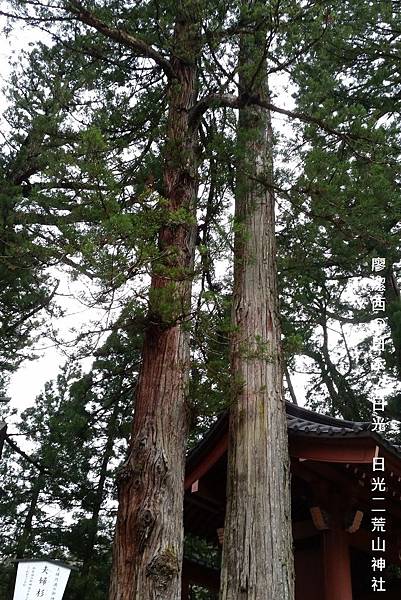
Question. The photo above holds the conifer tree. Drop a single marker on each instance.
(257, 550)
(58, 496)
(143, 63)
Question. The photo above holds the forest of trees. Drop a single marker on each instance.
(214, 178)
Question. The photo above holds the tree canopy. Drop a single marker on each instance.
(84, 195)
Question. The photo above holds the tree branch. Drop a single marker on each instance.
(31, 313)
(289, 385)
(231, 101)
(31, 460)
(119, 35)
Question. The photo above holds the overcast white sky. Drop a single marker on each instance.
(29, 380)
(27, 383)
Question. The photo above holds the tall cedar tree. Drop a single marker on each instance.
(148, 548)
(147, 552)
(257, 549)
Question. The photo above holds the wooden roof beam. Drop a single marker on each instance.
(207, 462)
(333, 451)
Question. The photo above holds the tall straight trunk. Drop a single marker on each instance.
(148, 546)
(89, 557)
(257, 549)
(26, 534)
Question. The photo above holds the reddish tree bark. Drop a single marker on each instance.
(147, 552)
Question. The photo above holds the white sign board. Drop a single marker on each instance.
(40, 580)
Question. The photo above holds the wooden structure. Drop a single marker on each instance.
(331, 467)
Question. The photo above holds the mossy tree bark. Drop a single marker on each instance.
(257, 549)
(147, 552)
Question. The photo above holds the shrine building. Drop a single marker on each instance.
(332, 507)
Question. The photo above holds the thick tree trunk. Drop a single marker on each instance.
(257, 549)
(147, 553)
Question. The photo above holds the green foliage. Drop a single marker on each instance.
(82, 190)
(77, 431)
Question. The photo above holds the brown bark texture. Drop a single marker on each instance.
(148, 545)
(257, 549)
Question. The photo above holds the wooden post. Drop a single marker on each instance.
(336, 561)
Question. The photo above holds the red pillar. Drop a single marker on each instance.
(336, 562)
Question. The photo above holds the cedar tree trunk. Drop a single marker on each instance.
(147, 553)
(257, 550)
